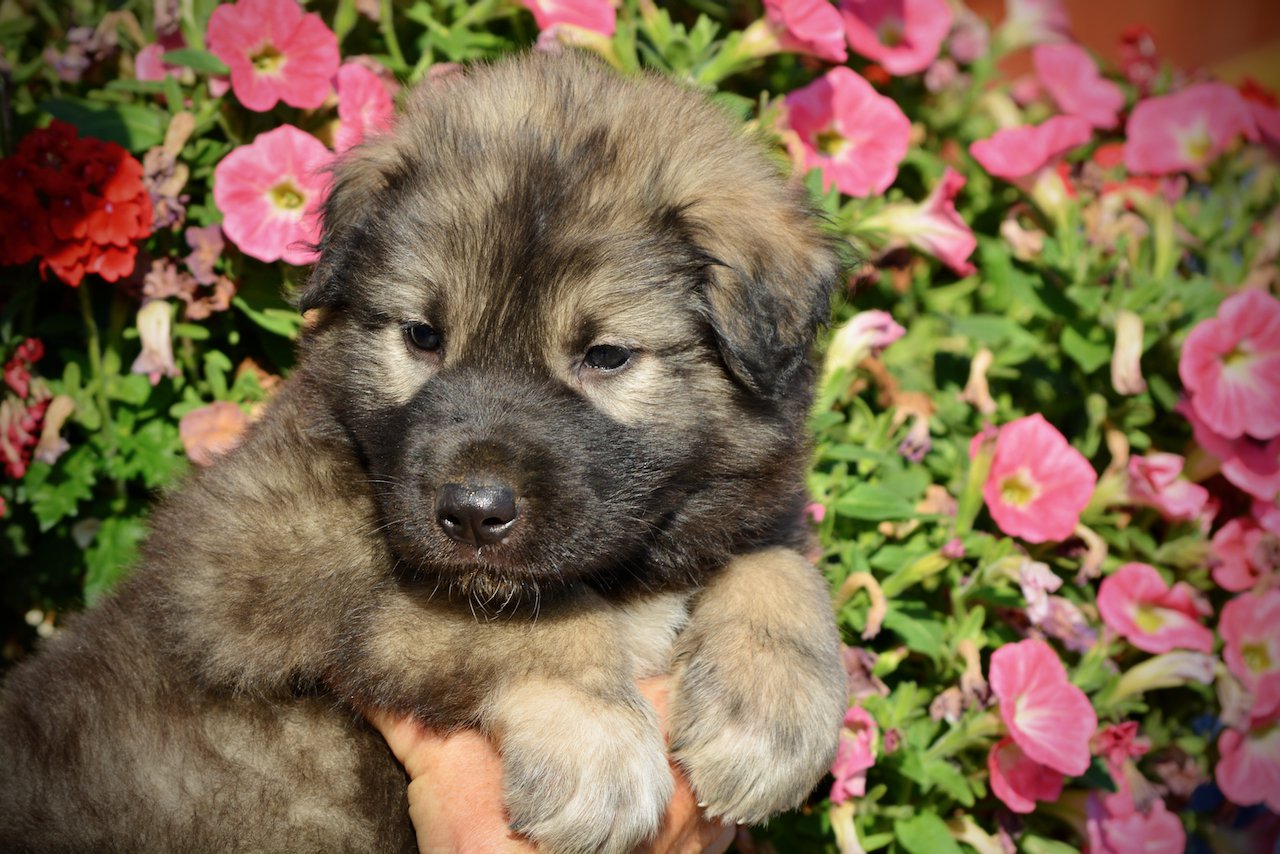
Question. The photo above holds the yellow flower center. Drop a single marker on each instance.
(1148, 618)
(891, 32)
(1256, 657)
(1196, 143)
(287, 195)
(1018, 489)
(267, 59)
(830, 143)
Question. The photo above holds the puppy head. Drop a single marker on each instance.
(567, 324)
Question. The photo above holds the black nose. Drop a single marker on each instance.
(477, 513)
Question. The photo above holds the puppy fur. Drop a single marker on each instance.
(527, 212)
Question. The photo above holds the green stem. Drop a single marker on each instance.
(975, 731)
(387, 25)
(98, 374)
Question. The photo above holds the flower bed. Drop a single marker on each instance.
(1047, 449)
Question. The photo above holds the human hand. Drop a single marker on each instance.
(455, 793)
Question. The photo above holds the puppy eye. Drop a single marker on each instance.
(423, 336)
(607, 357)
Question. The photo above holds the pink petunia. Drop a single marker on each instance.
(1154, 830)
(1185, 131)
(598, 16)
(934, 226)
(1071, 78)
(1251, 645)
(269, 193)
(811, 27)
(1137, 604)
(865, 334)
(1049, 718)
(1248, 769)
(364, 105)
(1249, 464)
(854, 755)
(1154, 480)
(1038, 483)
(855, 136)
(1245, 553)
(275, 53)
(1019, 781)
(1020, 153)
(1030, 22)
(1230, 364)
(903, 36)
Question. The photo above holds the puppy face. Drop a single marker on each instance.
(566, 323)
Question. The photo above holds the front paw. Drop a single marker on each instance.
(754, 722)
(582, 774)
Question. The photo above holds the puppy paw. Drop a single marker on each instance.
(582, 774)
(754, 724)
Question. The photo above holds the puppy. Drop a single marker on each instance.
(544, 438)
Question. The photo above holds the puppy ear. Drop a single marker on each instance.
(770, 277)
(360, 177)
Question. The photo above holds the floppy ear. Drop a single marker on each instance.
(769, 284)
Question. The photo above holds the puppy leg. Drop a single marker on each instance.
(758, 689)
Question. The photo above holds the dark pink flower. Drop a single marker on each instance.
(1137, 604)
(855, 754)
(933, 226)
(269, 193)
(1154, 481)
(1186, 130)
(1252, 645)
(598, 16)
(275, 53)
(1049, 718)
(903, 36)
(1245, 554)
(1038, 483)
(1019, 781)
(1230, 364)
(1248, 769)
(811, 27)
(364, 105)
(1071, 78)
(1250, 464)
(855, 136)
(1153, 831)
(1019, 153)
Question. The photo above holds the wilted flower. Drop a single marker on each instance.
(855, 136)
(364, 105)
(597, 16)
(269, 193)
(1252, 645)
(212, 430)
(51, 445)
(1170, 670)
(933, 226)
(275, 53)
(1185, 131)
(1038, 483)
(865, 334)
(206, 248)
(1019, 781)
(1154, 480)
(1028, 22)
(1248, 769)
(855, 754)
(810, 27)
(1230, 364)
(1049, 718)
(1126, 358)
(903, 36)
(165, 177)
(1071, 78)
(1136, 603)
(154, 329)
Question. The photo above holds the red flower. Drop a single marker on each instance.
(275, 53)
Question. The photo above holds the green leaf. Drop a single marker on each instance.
(873, 503)
(276, 320)
(946, 777)
(199, 60)
(133, 126)
(1088, 354)
(919, 635)
(925, 834)
(55, 492)
(1039, 845)
(112, 553)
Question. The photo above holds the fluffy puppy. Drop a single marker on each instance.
(544, 438)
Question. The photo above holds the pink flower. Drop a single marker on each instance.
(1155, 831)
(598, 16)
(1049, 718)
(1137, 604)
(1230, 364)
(1186, 130)
(213, 430)
(275, 53)
(865, 334)
(206, 248)
(933, 226)
(1038, 484)
(903, 36)
(844, 128)
(1245, 553)
(1154, 481)
(854, 755)
(1248, 769)
(811, 27)
(1252, 645)
(1071, 78)
(1019, 781)
(1249, 464)
(364, 105)
(1022, 152)
(149, 64)
(269, 193)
